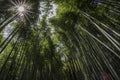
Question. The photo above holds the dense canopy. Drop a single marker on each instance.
(59, 39)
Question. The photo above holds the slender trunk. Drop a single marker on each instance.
(9, 41)
(13, 32)
(6, 61)
(3, 24)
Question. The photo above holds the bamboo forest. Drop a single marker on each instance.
(59, 39)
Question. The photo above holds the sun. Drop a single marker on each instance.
(21, 8)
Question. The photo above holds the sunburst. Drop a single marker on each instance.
(22, 9)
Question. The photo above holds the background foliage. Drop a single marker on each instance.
(80, 42)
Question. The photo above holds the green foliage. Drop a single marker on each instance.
(80, 42)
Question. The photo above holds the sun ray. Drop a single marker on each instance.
(26, 17)
(22, 8)
(13, 3)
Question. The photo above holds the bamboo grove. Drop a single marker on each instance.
(80, 42)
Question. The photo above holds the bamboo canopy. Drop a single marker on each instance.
(59, 39)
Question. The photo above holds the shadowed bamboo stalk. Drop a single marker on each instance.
(6, 22)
